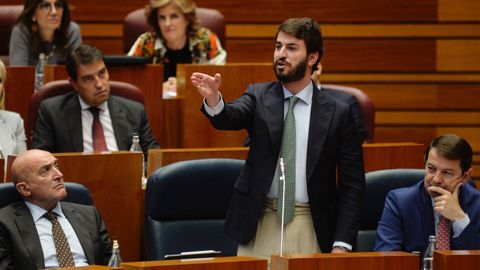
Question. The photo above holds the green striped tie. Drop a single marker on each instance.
(288, 154)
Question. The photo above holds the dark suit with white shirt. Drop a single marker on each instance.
(20, 246)
(332, 141)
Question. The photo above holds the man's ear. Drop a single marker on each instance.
(73, 83)
(23, 189)
(467, 175)
(312, 58)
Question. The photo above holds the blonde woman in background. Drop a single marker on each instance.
(12, 132)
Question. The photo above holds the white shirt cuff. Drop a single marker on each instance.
(342, 244)
(460, 225)
(215, 110)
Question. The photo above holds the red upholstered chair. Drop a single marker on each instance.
(367, 107)
(8, 16)
(135, 24)
(61, 87)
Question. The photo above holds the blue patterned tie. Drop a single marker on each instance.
(288, 154)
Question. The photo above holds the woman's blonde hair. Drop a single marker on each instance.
(3, 78)
(186, 6)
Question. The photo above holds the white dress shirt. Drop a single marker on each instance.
(44, 229)
(105, 119)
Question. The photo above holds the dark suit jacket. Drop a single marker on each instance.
(407, 220)
(332, 140)
(59, 124)
(20, 246)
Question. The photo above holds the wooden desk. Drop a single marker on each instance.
(377, 156)
(347, 261)
(456, 259)
(18, 90)
(194, 128)
(218, 263)
(114, 179)
(90, 267)
(161, 157)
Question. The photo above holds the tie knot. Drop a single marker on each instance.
(50, 216)
(94, 110)
(293, 102)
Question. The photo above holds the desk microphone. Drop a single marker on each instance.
(282, 228)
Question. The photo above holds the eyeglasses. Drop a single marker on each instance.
(47, 6)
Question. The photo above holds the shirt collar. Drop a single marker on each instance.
(38, 212)
(305, 94)
(85, 106)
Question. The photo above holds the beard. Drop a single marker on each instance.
(296, 73)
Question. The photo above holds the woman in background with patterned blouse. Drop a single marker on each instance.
(177, 38)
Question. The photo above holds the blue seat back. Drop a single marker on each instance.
(186, 204)
(378, 184)
(76, 193)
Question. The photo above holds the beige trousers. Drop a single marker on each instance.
(299, 233)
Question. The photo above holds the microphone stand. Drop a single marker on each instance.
(282, 228)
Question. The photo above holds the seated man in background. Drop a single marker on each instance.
(90, 119)
(43, 232)
(443, 204)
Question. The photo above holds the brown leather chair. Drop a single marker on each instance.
(136, 23)
(367, 107)
(61, 87)
(8, 16)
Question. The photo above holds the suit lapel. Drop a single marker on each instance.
(28, 231)
(81, 230)
(320, 118)
(73, 115)
(119, 123)
(274, 102)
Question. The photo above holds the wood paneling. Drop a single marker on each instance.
(458, 55)
(194, 125)
(259, 11)
(459, 10)
(408, 30)
(325, 11)
(379, 55)
(219, 263)
(420, 96)
(348, 56)
(347, 261)
(456, 259)
(425, 134)
(427, 118)
(107, 46)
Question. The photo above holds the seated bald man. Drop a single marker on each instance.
(42, 232)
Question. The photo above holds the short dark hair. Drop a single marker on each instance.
(452, 147)
(82, 55)
(309, 31)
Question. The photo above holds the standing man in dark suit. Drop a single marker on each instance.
(67, 123)
(326, 212)
(26, 237)
(442, 199)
